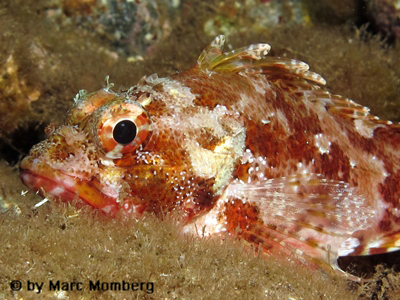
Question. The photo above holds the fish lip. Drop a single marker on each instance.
(59, 189)
(34, 181)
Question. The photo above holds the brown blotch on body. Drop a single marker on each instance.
(385, 224)
(390, 189)
(335, 164)
(241, 215)
(207, 139)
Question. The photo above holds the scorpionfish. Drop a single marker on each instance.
(241, 144)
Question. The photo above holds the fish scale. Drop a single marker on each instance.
(241, 143)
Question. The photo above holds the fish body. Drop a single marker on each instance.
(241, 143)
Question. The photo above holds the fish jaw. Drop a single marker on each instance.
(61, 166)
(67, 188)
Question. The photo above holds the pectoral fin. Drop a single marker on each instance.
(308, 215)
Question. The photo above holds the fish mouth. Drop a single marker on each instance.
(69, 188)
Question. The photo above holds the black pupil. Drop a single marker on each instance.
(124, 132)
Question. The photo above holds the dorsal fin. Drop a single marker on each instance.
(213, 51)
(336, 104)
(252, 59)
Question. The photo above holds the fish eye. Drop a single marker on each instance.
(124, 132)
(121, 128)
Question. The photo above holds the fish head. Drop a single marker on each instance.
(135, 152)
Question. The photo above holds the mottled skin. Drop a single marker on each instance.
(242, 143)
